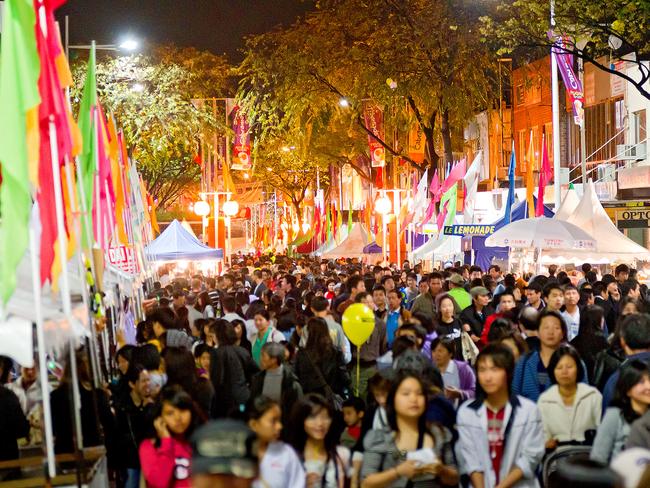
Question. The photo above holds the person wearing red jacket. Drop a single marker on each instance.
(507, 303)
(165, 460)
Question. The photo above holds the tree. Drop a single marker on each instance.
(592, 30)
(150, 97)
(408, 56)
(288, 170)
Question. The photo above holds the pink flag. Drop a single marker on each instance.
(430, 211)
(434, 188)
(455, 175)
(544, 178)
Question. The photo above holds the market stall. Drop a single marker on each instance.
(611, 244)
(176, 243)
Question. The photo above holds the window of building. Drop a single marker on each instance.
(521, 148)
(640, 131)
(520, 94)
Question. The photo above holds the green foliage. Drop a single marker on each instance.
(151, 96)
(293, 78)
(522, 27)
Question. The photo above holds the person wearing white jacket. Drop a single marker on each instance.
(569, 408)
(501, 439)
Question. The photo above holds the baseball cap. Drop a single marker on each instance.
(227, 447)
(478, 291)
(456, 279)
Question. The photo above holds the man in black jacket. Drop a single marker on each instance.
(276, 380)
(134, 413)
(473, 317)
(13, 426)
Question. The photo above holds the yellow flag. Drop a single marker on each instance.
(530, 183)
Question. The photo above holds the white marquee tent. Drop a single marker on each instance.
(352, 246)
(611, 244)
(569, 204)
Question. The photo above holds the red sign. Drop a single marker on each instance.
(374, 119)
(124, 258)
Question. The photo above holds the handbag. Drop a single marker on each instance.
(470, 351)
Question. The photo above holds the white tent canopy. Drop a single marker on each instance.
(444, 247)
(330, 244)
(569, 204)
(352, 246)
(611, 244)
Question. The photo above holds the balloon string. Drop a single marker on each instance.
(358, 370)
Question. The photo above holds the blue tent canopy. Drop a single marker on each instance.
(484, 255)
(177, 243)
(372, 248)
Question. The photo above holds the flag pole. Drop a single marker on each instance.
(42, 361)
(65, 283)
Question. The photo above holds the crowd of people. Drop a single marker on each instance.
(469, 378)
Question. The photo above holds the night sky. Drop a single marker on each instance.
(215, 25)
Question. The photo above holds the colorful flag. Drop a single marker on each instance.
(530, 182)
(19, 73)
(328, 224)
(434, 187)
(455, 175)
(511, 185)
(448, 206)
(545, 176)
(241, 158)
(88, 158)
(53, 123)
(471, 179)
(571, 80)
(420, 200)
(349, 216)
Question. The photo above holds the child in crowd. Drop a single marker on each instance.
(202, 357)
(353, 411)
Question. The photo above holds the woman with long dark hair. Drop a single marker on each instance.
(180, 368)
(631, 400)
(280, 467)
(204, 305)
(165, 458)
(448, 324)
(320, 367)
(591, 337)
(386, 459)
(316, 442)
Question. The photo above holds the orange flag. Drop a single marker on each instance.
(116, 174)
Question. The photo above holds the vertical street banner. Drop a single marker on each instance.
(241, 153)
(571, 81)
(417, 142)
(373, 117)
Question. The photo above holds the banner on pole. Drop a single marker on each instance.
(241, 159)
(571, 81)
(416, 143)
(374, 119)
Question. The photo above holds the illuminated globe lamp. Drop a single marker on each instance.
(202, 208)
(230, 208)
(383, 205)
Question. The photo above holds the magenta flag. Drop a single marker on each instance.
(455, 175)
(434, 188)
(544, 178)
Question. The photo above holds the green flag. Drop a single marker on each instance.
(450, 196)
(88, 156)
(349, 217)
(19, 71)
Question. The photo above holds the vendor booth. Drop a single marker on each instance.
(176, 243)
(484, 255)
(352, 246)
(611, 244)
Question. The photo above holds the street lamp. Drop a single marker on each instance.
(202, 208)
(343, 102)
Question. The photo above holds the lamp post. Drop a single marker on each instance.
(215, 196)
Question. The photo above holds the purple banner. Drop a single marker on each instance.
(571, 81)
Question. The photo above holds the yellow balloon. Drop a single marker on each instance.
(358, 323)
